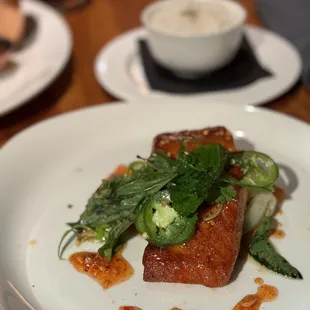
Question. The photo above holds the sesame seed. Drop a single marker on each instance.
(163, 142)
(219, 133)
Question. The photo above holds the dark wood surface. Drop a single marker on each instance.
(93, 26)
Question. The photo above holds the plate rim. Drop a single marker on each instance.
(138, 102)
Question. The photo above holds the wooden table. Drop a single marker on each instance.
(93, 26)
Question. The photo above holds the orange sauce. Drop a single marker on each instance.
(119, 170)
(279, 194)
(259, 281)
(279, 212)
(277, 233)
(32, 242)
(175, 308)
(129, 308)
(105, 273)
(265, 293)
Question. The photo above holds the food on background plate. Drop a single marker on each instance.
(192, 200)
(3, 58)
(12, 24)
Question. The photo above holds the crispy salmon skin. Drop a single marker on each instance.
(208, 258)
(169, 142)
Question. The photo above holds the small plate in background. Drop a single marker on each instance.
(34, 67)
(118, 69)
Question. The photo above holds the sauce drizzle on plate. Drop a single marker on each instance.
(105, 273)
(265, 293)
(259, 281)
(277, 233)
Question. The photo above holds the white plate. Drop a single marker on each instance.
(54, 164)
(118, 69)
(41, 62)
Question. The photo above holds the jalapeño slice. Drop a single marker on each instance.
(161, 225)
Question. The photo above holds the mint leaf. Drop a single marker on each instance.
(264, 253)
(161, 162)
(227, 194)
(197, 172)
(221, 193)
(115, 231)
(189, 190)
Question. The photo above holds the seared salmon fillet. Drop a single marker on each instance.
(169, 142)
(208, 258)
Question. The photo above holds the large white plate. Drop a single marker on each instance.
(41, 62)
(62, 161)
(118, 69)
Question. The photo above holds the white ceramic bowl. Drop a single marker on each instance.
(194, 54)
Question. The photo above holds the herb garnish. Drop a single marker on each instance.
(264, 253)
(187, 181)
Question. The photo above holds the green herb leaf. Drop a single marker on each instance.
(103, 207)
(114, 232)
(221, 193)
(189, 190)
(209, 158)
(147, 184)
(201, 168)
(264, 253)
(161, 162)
(227, 194)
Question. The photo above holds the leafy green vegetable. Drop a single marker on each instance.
(147, 184)
(114, 233)
(114, 206)
(227, 193)
(264, 253)
(221, 193)
(189, 190)
(161, 162)
(198, 172)
(209, 158)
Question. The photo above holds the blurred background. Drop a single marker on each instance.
(57, 42)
